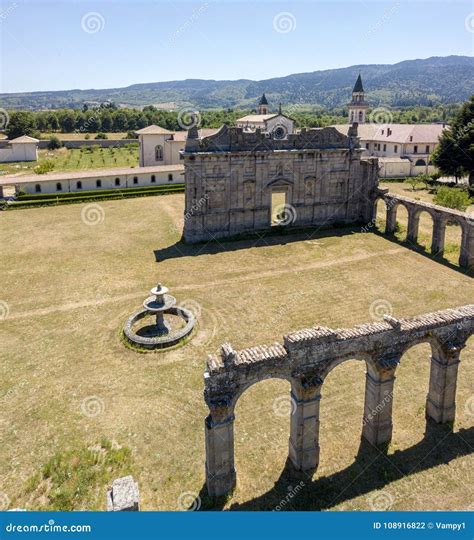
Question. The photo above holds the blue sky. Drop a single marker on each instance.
(64, 44)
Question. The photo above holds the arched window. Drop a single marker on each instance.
(79, 185)
(153, 178)
(98, 183)
(38, 188)
(360, 116)
(158, 152)
(170, 178)
(59, 187)
(420, 163)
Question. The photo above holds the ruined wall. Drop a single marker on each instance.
(320, 171)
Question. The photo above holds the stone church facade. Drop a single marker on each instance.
(232, 176)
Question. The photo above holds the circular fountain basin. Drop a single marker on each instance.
(159, 341)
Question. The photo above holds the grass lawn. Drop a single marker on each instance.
(75, 159)
(78, 408)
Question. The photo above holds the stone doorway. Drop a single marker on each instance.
(279, 206)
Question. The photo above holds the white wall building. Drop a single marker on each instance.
(22, 148)
(89, 180)
(278, 124)
(403, 149)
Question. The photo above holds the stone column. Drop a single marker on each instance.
(377, 423)
(391, 222)
(413, 223)
(441, 399)
(304, 429)
(466, 258)
(220, 471)
(437, 243)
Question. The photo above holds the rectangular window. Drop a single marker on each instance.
(117, 181)
(395, 149)
(415, 149)
(384, 147)
(98, 183)
(427, 151)
(153, 178)
(170, 178)
(135, 179)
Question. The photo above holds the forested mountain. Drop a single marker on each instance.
(436, 80)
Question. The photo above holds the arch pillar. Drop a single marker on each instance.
(220, 471)
(377, 423)
(466, 258)
(391, 221)
(304, 428)
(437, 242)
(441, 399)
(413, 224)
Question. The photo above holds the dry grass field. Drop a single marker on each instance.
(78, 408)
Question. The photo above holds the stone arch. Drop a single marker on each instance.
(262, 412)
(402, 219)
(379, 214)
(409, 396)
(342, 410)
(465, 376)
(420, 163)
(421, 228)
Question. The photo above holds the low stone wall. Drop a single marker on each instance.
(305, 359)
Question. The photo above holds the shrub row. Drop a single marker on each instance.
(90, 198)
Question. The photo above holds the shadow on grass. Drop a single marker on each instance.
(275, 236)
(372, 470)
(425, 252)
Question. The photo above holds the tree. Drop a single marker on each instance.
(454, 155)
(21, 123)
(455, 198)
(54, 143)
(412, 181)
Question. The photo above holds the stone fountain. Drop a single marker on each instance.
(161, 334)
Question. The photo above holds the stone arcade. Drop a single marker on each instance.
(232, 176)
(306, 357)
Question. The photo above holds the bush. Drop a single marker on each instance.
(412, 181)
(87, 136)
(131, 135)
(44, 167)
(454, 198)
(101, 135)
(54, 143)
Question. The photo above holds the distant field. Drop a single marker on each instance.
(69, 387)
(79, 136)
(72, 159)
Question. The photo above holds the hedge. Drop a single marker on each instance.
(89, 198)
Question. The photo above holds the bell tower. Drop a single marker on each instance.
(357, 107)
(263, 105)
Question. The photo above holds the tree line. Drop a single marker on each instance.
(109, 118)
